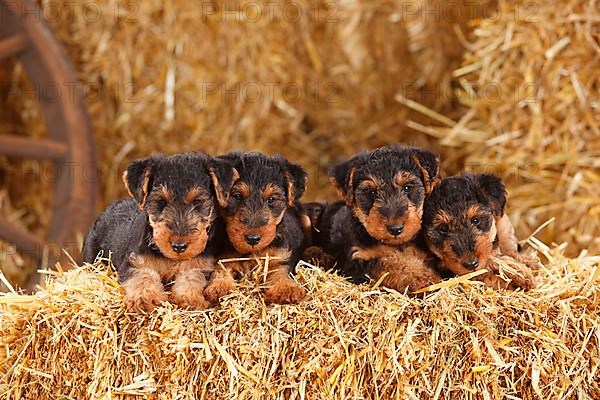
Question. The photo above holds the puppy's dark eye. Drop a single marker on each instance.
(443, 229)
(237, 195)
(161, 204)
(406, 189)
(372, 193)
(271, 201)
(475, 221)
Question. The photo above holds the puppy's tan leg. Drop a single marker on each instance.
(519, 275)
(220, 285)
(280, 288)
(190, 282)
(401, 269)
(507, 238)
(143, 290)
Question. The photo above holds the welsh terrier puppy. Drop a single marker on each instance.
(166, 232)
(261, 218)
(464, 225)
(374, 232)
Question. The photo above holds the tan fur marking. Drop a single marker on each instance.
(143, 290)
(375, 224)
(237, 232)
(473, 211)
(145, 186)
(280, 288)
(221, 283)
(404, 177)
(429, 182)
(484, 247)
(272, 190)
(188, 289)
(307, 227)
(519, 275)
(442, 217)
(483, 250)
(164, 267)
(405, 267)
(150, 271)
(291, 189)
(434, 182)
(243, 188)
(222, 194)
(165, 193)
(196, 193)
(124, 177)
(167, 268)
(163, 237)
(507, 238)
(350, 191)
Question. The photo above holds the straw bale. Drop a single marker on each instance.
(73, 340)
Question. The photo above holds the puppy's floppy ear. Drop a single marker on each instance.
(342, 177)
(223, 175)
(138, 177)
(296, 178)
(494, 190)
(429, 165)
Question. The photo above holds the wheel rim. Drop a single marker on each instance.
(70, 141)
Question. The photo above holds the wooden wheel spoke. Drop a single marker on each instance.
(12, 45)
(40, 149)
(24, 241)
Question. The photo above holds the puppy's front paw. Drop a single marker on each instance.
(523, 278)
(530, 260)
(144, 300)
(218, 288)
(519, 273)
(136, 259)
(284, 291)
(427, 278)
(192, 299)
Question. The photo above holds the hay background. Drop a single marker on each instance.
(460, 342)
(371, 52)
(73, 340)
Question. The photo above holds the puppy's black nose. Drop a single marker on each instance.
(471, 264)
(395, 229)
(252, 239)
(179, 247)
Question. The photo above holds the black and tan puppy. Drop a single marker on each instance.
(166, 232)
(464, 224)
(261, 219)
(374, 233)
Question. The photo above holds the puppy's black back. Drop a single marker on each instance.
(322, 237)
(344, 232)
(120, 229)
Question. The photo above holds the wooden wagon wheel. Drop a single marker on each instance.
(70, 143)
